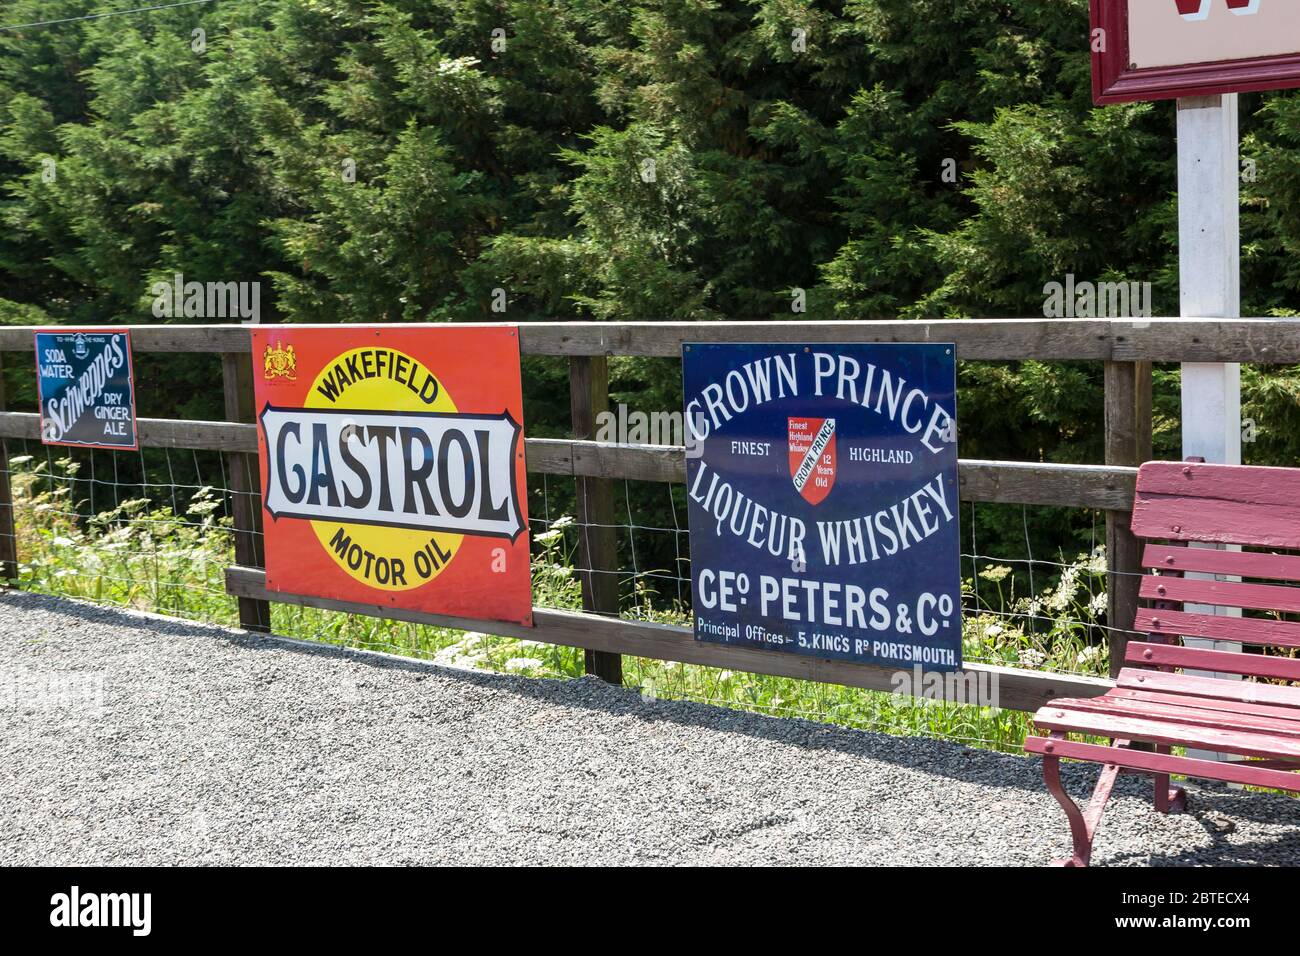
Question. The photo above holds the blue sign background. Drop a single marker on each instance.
(894, 469)
(86, 389)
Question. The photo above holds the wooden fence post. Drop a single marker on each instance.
(597, 542)
(8, 528)
(245, 485)
(1128, 442)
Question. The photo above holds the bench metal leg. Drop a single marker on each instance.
(1168, 799)
(1083, 824)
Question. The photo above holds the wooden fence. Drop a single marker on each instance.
(1127, 347)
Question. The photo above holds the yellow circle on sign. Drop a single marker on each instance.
(369, 543)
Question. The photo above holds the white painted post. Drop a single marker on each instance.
(1209, 267)
(1209, 272)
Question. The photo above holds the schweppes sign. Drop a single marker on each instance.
(393, 467)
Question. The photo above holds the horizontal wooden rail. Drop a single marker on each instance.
(1267, 341)
(593, 459)
(1106, 487)
(1017, 689)
(1264, 341)
(1000, 482)
(214, 339)
(154, 433)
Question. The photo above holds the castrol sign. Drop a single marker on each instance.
(393, 467)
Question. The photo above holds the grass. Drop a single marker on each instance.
(171, 560)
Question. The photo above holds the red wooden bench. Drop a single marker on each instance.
(1152, 707)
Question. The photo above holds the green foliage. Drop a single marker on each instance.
(779, 161)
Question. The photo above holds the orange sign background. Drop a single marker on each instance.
(349, 378)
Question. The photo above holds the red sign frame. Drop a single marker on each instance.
(1116, 80)
(342, 408)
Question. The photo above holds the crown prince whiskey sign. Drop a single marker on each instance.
(1163, 49)
(822, 496)
(393, 467)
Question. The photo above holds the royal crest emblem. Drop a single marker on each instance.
(812, 457)
(279, 362)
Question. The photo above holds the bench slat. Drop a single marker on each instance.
(1247, 630)
(1221, 522)
(1252, 484)
(1213, 688)
(1250, 744)
(1259, 597)
(1271, 711)
(1145, 760)
(1246, 564)
(1228, 662)
(1182, 714)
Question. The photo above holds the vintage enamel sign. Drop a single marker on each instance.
(393, 467)
(1163, 49)
(822, 495)
(86, 388)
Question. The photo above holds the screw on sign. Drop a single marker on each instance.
(1200, 9)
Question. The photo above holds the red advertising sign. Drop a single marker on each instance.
(393, 467)
(1163, 49)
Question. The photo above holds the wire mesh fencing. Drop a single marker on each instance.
(151, 530)
(154, 530)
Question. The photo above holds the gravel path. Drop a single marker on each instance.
(215, 747)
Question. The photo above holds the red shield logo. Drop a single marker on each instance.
(812, 457)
